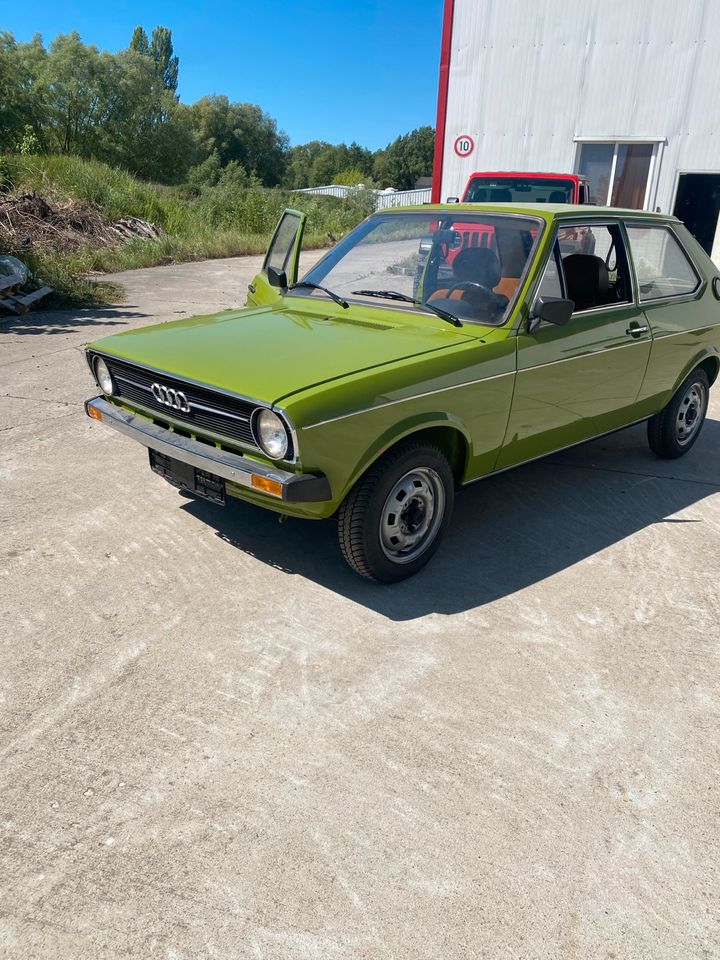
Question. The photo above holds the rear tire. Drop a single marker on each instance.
(394, 518)
(673, 431)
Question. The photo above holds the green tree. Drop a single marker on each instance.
(160, 50)
(243, 133)
(317, 162)
(23, 97)
(406, 159)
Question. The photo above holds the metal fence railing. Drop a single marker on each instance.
(383, 199)
(402, 198)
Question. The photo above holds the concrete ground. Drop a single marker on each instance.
(216, 741)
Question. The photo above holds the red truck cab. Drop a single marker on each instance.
(523, 187)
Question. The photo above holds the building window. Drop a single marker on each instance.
(619, 173)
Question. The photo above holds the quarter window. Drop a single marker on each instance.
(661, 264)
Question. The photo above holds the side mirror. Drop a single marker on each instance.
(452, 200)
(277, 278)
(551, 309)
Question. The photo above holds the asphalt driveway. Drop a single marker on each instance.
(216, 741)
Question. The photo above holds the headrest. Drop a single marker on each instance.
(478, 264)
(558, 196)
(500, 195)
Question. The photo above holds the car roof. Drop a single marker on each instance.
(547, 211)
(531, 175)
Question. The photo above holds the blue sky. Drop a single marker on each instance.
(364, 70)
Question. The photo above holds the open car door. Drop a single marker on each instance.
(283, 255)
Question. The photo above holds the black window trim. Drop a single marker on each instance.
(604, 307)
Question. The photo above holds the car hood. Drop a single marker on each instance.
(270, 353)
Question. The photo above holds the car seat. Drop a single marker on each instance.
(475, 265)
(588, 282)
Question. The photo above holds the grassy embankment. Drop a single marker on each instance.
(222, 221)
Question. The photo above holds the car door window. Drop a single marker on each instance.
(595, 265)
(661, 265)
(551, 283)
(284, 242)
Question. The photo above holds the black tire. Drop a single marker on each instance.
(673, 431)
(379, 543)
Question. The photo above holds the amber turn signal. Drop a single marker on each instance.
(267, 486)
(95, 414)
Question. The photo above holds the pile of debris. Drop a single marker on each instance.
(28, 220)
(17, 290)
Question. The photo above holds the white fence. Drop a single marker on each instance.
(383, 199)
(332, 190)
(402, 198)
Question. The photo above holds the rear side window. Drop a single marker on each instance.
(661, 264)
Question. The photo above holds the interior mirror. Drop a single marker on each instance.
(555, 310)
(277, 278)
(453, 238)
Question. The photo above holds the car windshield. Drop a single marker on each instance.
(519, 190)
(466, 266)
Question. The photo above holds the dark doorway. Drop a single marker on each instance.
(697, 204)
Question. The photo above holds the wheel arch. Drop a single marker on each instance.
(441, 430)
(711, 365)
(708, 359)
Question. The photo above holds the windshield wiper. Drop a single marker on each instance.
(316, 286)
(394, 295)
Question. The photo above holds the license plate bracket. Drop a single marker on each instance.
(185, 476)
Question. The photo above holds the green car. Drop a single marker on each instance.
(431, 347)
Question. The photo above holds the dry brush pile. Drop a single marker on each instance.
(28, 221)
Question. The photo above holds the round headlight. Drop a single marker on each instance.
(271, 434)
(103, 376)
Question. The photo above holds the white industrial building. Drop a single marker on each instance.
(626, 92)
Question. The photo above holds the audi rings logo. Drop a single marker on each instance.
(175, 399)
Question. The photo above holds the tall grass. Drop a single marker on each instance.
(220, 221)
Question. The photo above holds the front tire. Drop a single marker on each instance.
(394, 518)
(673, 431)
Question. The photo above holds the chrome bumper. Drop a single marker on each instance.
(296, 487)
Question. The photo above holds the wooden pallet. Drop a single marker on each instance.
(12, 298)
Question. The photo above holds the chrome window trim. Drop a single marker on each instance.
(416, 396)
(90, 353)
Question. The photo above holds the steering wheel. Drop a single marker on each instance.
(467, 285)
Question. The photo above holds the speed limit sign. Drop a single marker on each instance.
(464, 145)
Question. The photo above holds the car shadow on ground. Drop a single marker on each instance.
(508, 532)
(68, 321)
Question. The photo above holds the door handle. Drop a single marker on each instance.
(637, 330)
(251, 287)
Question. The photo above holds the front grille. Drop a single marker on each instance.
(212, 412)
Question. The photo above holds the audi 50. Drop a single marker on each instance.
(431, 347)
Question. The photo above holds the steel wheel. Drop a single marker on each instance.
(690, 412)
(411, 515)
(674, 430)
(394, 518)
